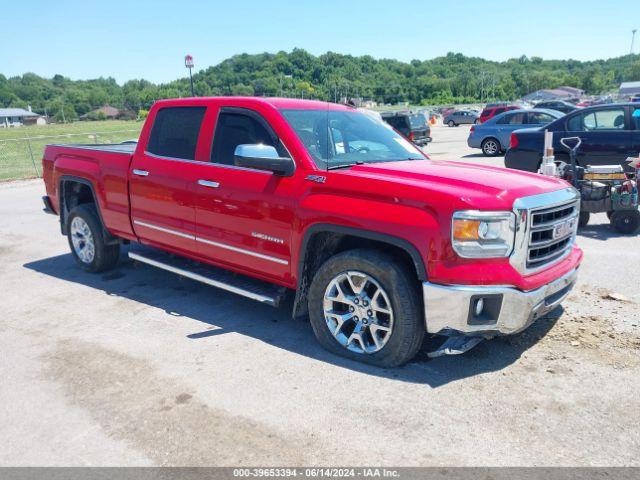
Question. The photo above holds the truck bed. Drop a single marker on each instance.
(126, 148)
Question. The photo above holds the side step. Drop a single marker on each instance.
(254, 289)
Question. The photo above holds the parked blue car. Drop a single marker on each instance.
(492, 136)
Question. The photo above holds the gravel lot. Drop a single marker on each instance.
(139, 367)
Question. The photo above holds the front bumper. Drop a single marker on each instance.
(450, 308)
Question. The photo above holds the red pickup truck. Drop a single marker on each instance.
(375, 242)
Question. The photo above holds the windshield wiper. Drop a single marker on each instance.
(345, 165)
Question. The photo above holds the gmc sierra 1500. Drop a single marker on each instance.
(264, 197)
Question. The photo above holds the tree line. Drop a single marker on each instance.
(450, 79)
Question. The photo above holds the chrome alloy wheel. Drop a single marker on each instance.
(358, 312)
(82, 239)
(491, 147)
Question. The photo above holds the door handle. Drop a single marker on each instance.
(141, 173)
(208, 183)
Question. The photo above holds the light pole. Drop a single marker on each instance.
(188, 62)
(633, 37)
(281, 78)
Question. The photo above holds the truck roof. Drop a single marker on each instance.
(279, 103)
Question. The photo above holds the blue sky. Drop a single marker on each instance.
(148, 39)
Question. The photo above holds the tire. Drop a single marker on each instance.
(86, 241)
(451, 123)
(400, 296)
(491, 147)
(583, 219)
(626, 221)
(476, 121)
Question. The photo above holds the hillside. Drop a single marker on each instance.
(453, 78)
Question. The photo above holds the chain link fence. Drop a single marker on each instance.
(22, 157)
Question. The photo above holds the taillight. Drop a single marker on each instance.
(513, 141)
(473, 129)
(411, 136)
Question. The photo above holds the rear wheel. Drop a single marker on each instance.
(583, 220)
(364, 305)
(451, 123)
(626, 221)
(85, 235)
(490, 147)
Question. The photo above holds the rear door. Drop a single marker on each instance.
(162, 204)
(510, 122)
(605, 133)
(243, 216)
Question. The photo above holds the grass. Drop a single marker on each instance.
(21, 148)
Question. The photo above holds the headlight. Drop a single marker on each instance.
(477, 234)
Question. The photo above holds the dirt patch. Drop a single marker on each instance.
(158, 416)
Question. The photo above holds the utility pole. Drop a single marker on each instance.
(188, 62)
(633, 38)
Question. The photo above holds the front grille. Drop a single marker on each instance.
(550, 234)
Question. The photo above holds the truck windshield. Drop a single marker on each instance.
(341, 138)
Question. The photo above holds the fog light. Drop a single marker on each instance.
(479, 307)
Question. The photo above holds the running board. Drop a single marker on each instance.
(254, 289)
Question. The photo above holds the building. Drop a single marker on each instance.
(16, 117)
(105, 112)
(629, 88)
(560, 93)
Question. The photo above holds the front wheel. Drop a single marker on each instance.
(451, 123)
(85, 235)
(626, 221)
(583, 219)
(365, 306)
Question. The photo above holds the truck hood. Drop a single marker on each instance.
(465, 182)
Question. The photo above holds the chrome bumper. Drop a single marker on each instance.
(450, 307)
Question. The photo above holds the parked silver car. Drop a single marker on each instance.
(461, 117)
(493, 136)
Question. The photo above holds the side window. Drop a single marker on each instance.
(516, 119)
(500, 110)
(574, 124)
(537, 118)
(233, 129)
(604, 120)
(175, 132)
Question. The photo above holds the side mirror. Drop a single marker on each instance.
(263, 157)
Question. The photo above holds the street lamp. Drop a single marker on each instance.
(188, 62)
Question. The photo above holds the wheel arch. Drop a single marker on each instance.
(73, 191)
(321, 241)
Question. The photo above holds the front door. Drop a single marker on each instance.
(244, 216)
(162, 204)
(605, 134)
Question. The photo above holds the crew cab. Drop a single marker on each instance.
(269, 198)
(609, 134)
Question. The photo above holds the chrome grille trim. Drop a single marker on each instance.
(536, 218)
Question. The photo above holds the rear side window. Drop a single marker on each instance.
(599, 120)
(235, 129)
(175, 132)
(500, 110)
(417, 121)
